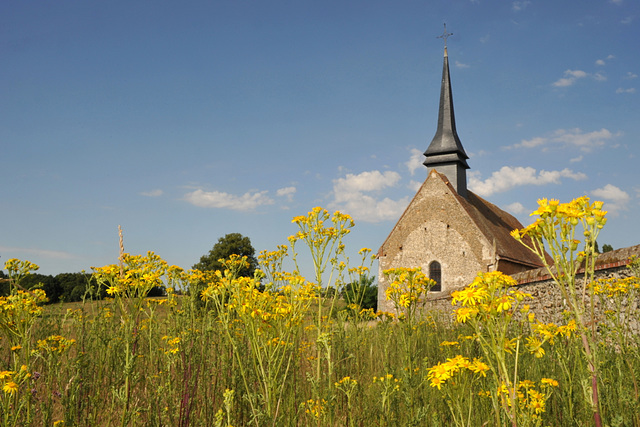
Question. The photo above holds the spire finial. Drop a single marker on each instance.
(445, 35)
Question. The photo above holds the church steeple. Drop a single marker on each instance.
(445, 153)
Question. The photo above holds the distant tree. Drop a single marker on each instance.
(607, 248)
(75, 286)
(596, 249)
(4, 284)
(231, 244)
(363, 293)
(47, 283)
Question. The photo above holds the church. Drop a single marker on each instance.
(447, 230)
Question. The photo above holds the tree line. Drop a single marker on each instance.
(70, 287)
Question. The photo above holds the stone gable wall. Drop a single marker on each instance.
(435, 228)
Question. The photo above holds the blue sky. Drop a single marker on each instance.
(185, 121)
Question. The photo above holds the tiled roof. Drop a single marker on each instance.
(497, 225)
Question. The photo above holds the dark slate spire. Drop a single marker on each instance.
(445, 153)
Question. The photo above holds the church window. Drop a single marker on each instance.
(435, 274)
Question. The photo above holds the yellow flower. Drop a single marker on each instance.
(537, 405)
(479, 367)
(465, 313)
(436, 382)
(549, 381)
(10, 387)
(441, 370)
(504, 303)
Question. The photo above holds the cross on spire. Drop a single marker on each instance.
(445, 35)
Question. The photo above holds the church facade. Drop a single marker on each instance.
(447, 230)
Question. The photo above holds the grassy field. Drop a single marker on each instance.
(279, 350)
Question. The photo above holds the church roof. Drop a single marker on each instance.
(494, 224)
(497, 225)
(445, 146)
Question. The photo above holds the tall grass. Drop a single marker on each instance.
(293, 354)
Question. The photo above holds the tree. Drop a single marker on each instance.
(75, 286)
(47, 283)
(363, 293)
(231, 244)
(4, 284)
(607, 248)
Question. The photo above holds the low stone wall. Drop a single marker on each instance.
(547, 302)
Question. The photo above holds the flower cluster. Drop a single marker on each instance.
(316, 408)
(388, 381)
(136, 277)
(556, 225)
(11, 380)
(173, 344)
(407, 288)
(615, 287)
(489, 295)
(347, 385)
(19, 311)
(441, 372)
(55, 344)
(531, 402)
(18, 269)
(314, 232)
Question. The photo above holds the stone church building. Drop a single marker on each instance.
(447, 230)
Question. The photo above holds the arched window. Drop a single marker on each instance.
(435, 274)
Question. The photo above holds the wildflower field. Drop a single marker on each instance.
(278, 349)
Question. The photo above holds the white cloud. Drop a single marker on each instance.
(44, 253)
(416, 160)
(585, 141)
(600, 77)
(479, 153)
(570, 78)
(461, 65)
(414, 186)
(631, 75)
(615, 199)
(531, 143)
(515, 208)
(366, 181)
(218, 199)
(519, 5)
(628, 90)
(509, 177)
(603, 62)
(627, 20)
(576, 159)
(350, 196)
(287, 192)
(152, 193)
(615, 1)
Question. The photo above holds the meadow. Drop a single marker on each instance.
(278, 349)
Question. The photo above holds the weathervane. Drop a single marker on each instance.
(445, 35)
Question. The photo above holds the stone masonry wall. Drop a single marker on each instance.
(547, 302)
